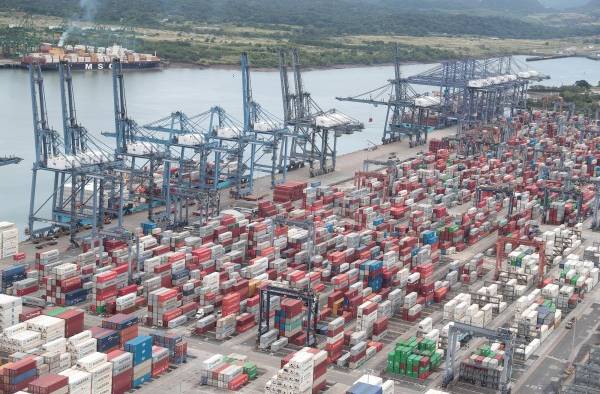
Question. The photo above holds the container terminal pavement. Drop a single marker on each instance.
(447, 272)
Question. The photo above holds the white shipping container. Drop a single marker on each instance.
(91, 361)
(80, 382)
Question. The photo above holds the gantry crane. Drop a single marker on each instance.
(78, 168)
(269, 138)
(503, 335)
(407, 112)
(506, 191)
(565, 191)
(96, 175)
(185, 148)
(515, 242)
(141, 152)
(47, 145)
(315, 131)
(475, 92)
(308, 297)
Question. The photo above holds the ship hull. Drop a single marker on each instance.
(100, 66)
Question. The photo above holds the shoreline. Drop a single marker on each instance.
(7, 63)
(182, 65)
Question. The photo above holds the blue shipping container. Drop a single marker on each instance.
(180, 274)
(136, 383)
(109, 341)
(24, 376)
(140, 347)
(147, 227)
(14, 270)
(76, 296)
(364, 388)
(127, 321)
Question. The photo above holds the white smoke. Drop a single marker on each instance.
(89, 8)
(64, 36)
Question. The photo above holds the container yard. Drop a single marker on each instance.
(455, 262)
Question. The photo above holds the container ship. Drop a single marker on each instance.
(89, 58)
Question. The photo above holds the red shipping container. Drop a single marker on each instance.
(28, 290)
(162, 268)
(29, 312)
(104, 294)
(18, 367)
(189, 307)
(176, 257)
(237, 382)
(121, 269)
(73, 321)
(170, 315)
(231, 304)
(167, 295)
(160, 367)
(166, 281)
(19, 256)
(121, 383)
(106, 276)
(161, 249)
(127, 290)
(291, 307)
(70, 284)
(47, 384)
(128, 334)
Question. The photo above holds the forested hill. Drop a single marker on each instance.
(499, 18)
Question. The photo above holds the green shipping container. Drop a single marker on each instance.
(250, 370)
(453, 228)
(56, 311)
(574, 280)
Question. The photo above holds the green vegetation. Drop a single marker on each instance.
(328, 32)
(206, 53)
(581, 94)
(319, 17)
(19, 38)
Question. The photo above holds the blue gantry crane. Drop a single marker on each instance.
(230, 154)
(179, 149)
(140, 151)
(315, 131)
(468, 92)
(267, 136)
(476, 91)
(407, 111)
(78, 164)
